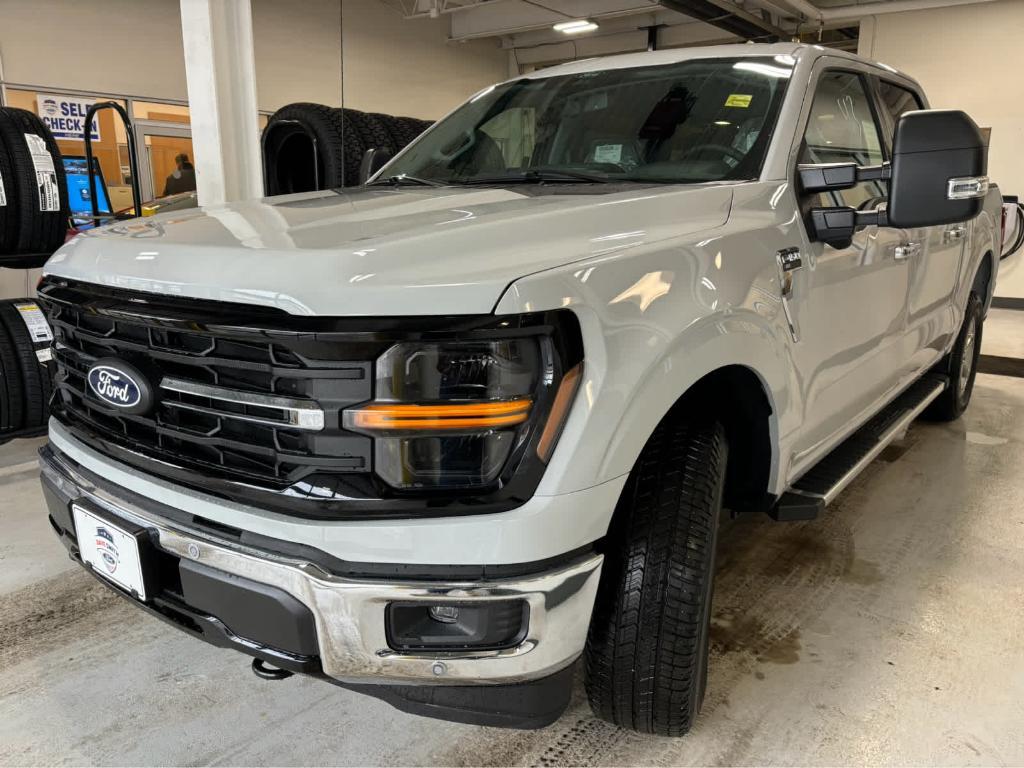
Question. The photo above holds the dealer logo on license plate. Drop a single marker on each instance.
(106, 548)
(110, 551)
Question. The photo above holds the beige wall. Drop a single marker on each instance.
(133, 47)
(407, 67)
(970, 58)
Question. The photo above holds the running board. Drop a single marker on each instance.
(820, 485)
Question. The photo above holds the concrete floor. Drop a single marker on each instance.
(889, 632)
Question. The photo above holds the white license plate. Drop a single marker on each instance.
(112, 552)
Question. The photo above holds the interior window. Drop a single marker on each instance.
(512, 132)
(842, 129)
(896, 100)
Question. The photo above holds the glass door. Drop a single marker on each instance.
(166, 165)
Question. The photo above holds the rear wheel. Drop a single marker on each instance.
(961, 366)
(647, 650)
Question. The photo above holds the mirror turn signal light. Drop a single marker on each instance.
(464, 415)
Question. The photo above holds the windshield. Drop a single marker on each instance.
(689, 122)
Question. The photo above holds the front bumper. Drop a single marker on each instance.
(348, 613)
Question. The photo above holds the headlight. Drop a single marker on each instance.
(451, 415)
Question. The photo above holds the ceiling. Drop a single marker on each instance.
(525, 26)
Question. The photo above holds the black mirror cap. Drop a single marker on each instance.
(373, 160)
(932, 147)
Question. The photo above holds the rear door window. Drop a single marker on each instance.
(895, 100)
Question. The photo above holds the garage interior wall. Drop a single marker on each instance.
(970, 58)
(134, 48)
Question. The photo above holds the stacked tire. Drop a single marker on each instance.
(309, 147)
(33, 224)
(26, 369)
(33, 196)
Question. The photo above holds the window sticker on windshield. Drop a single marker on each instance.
(741, 100)
(607, 153)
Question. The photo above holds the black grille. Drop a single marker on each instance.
(214, 428)
(221, 438)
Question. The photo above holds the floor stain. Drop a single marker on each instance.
(747, 635)
(894, 452)
(863, 572)
(51, 613)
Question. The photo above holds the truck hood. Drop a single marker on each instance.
(383, 251)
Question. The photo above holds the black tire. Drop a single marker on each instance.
(960, 365)
(390, 130)
(12, 401)
(31, 230)
(647, 649)
(35, 376)
(409, 129)
(366, 132)
(8, 204)
(288, 150)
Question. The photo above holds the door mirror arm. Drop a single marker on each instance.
(835, 226)
(829, 177)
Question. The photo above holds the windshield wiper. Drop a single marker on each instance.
(537, 176)
(404, 179)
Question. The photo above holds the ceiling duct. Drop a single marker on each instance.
(728, 17)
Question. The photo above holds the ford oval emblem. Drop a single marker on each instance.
(120, 385)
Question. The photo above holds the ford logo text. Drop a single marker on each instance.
(120, 385)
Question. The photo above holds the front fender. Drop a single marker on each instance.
(657, 318)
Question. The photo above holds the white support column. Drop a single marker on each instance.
(221, 72)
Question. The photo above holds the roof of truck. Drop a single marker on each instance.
(672, 55)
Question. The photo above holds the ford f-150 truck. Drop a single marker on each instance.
(436, 437)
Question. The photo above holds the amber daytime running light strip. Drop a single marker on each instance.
(449, 416)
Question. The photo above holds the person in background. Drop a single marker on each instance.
(183, 179)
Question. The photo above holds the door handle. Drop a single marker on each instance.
(904, 251)
(954, 234)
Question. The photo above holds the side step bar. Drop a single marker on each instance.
(820, 485)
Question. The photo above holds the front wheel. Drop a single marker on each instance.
(647, 649)
(961, 366)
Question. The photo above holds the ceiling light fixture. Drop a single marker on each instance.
(575, 26)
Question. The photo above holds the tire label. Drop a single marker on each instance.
(46, 174)
(35, 321)
(3, 194)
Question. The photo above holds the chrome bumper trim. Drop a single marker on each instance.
(349, 613)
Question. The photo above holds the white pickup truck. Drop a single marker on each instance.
(437, 437)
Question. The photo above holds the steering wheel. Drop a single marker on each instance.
(721, 149)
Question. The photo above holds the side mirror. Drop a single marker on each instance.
(939, 162)
(373, 160)
(936, 177)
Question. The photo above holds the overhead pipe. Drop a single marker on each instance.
(811, 12)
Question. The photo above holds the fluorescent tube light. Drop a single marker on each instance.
(575, 26)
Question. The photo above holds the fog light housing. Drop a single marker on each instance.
(478, 626)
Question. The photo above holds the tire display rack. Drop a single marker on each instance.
(309, 147)
(33, 224)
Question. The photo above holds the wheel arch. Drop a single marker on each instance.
(736, 396)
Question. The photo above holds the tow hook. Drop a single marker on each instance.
(261, 669)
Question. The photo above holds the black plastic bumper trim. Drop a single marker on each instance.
(527, 706)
